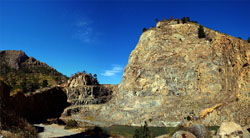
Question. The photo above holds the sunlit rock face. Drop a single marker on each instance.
(173, 75)
(83, 88)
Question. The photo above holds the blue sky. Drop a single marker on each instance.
(98, 36)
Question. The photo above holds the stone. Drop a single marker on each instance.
(198, 130)
(183, 134)
(232, 130)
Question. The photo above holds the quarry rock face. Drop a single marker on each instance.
(83, 89)
(173, 76)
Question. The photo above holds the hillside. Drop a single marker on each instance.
(174, 76)
(23, 73)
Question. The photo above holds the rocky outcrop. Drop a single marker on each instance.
(178, 72)
(13, 58)
(232, 130)
(17, 59)
(173, 76)
(83, 88)
(81, 79)
(41, 105)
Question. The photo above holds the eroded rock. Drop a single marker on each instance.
(232, 130)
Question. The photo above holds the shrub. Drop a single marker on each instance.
(185, 19)
(71, 124)
(201, 33)
(45, 83)
(144, 29)
(248, 40)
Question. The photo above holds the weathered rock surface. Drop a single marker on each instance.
(183, 134)
(232, 130)
(173, 75)
(83, 89)
(198, 130)
(13, 58)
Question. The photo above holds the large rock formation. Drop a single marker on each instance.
(83, 88)
(173, 76)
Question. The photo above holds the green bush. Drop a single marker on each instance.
(71, 124)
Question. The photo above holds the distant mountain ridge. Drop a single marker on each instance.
(26, 73)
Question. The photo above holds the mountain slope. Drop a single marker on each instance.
(26, 73)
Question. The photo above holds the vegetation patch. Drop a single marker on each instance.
(71, 124)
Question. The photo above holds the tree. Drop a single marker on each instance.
(45, 83)
(95, 76)
(248, 40)
(144, 29)
(185, 19)
(201, 33)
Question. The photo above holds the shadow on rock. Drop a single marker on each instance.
(39, 106)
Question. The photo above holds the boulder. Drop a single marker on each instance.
(183, 134)
(232, 130)
(198, 130)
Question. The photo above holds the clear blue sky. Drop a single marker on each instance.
(76, 35)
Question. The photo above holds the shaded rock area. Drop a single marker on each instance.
(83, 88)
(173, 77)
(38, 106)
